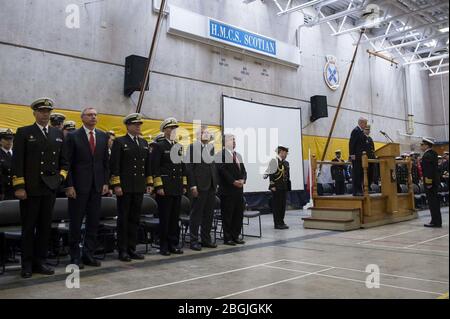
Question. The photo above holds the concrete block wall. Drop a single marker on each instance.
(79, 67)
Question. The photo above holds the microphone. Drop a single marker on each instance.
(387, 136)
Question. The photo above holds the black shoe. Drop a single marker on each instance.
(25, 274)
(91, 261)
(229, 243)
(239, 242)
(209, 245)
(433, 225)
(135, 255)
(278, 227)
(196, 247)
(43, 270)
(124, 257)
(176, 251)
(164, 252)
(77, 262)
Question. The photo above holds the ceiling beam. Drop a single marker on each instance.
(435, 66)
(373, 24)
(397, 33)
(409, 43)
(434, 58)
(300, 7)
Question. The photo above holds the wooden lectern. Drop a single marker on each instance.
(387, 155)
(346, 212)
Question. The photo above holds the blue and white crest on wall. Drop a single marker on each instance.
(331, 73)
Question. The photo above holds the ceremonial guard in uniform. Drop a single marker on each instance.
(6, 143)
(69, 126)
(170, 182)
(279, 185)
(338, 173)
(431, 180)
(57, 120)
(130, 178)
(39, 167)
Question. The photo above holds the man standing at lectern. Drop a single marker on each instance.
(357, 145)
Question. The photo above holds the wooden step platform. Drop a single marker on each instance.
(329, 218)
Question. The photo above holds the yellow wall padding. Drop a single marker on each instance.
(317, 146)
(14, 116)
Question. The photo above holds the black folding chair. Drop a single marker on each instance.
(149, 223)
(10, 230)
(185, 214)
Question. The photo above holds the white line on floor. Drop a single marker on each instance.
(185, 280)
(272, 284)
(425, 241)
(355, 280)
(362, 271)
(407, 248)
(393, 235)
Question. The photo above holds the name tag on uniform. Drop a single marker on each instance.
(59, 139)
(31, 138)
(145, 148)
(167, 152)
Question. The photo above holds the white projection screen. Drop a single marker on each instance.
(259, 129)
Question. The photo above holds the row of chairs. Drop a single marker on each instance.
(10, 229)
(420, 198)
(327, 189)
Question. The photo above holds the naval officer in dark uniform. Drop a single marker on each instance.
(279, 185)
(39, 167)
(57, 120)
(338, 173)
(170, 182)
(431, 180)
(6, 144)
(130, 179)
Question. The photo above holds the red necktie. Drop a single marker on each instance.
(92, 142)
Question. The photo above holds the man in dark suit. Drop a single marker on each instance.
(130, 178)
(431, 180)
(170, 182)
(87, 152)
(39, 168)
(232, 177)
(338, 174)
(202, 175)
(6, 144)
(279, 185)
(357, 145)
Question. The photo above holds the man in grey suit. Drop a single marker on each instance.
(202, 175)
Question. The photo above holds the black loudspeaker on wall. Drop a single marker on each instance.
(318, 107)
(134, 74)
